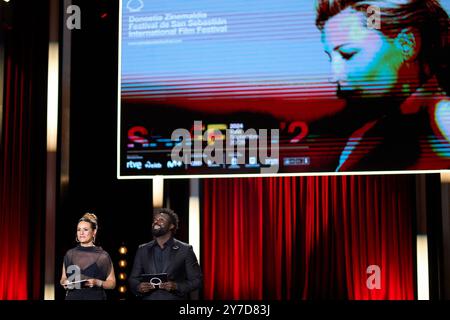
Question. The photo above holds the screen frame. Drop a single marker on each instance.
(224, 175)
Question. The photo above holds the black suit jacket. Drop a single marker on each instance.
(182, 268)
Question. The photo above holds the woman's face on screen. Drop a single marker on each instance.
(364, 62)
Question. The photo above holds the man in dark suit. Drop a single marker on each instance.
(165, 254)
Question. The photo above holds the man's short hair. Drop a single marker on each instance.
(172, 215)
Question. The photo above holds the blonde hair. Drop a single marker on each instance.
(91, 218)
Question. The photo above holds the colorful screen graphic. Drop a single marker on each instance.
(258, 87)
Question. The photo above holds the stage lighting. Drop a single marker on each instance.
(123, 250)
(122, 263)
(122, 289)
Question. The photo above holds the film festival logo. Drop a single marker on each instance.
(229, 149)
(135, 5)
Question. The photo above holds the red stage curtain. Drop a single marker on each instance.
(308, 237)
(22, 152)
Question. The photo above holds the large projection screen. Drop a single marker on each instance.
(259, 87)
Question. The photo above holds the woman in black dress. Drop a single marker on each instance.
(87, 269)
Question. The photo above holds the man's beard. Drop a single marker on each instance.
(160, 232)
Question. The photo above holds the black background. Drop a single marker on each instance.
(124, 207)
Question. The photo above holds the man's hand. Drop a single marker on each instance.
(145, 287)
(169, 286)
